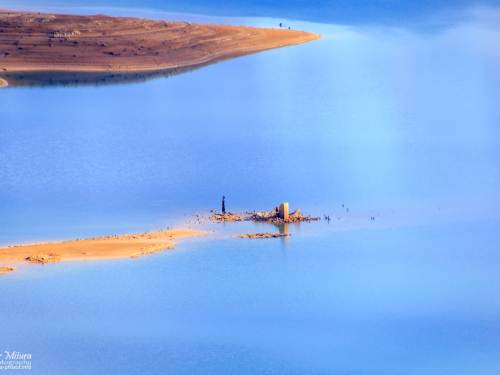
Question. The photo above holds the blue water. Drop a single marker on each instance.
(414, 13)
(398, 123)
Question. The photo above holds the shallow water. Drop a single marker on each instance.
(396, 124)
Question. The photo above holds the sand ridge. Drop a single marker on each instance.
(53, 42)
(96, 248)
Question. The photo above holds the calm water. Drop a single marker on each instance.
(399, 123)
(413, 13)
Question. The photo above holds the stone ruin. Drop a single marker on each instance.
(279, 215)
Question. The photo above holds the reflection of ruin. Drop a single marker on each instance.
(283, 228)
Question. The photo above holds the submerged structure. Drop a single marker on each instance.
(279, 215)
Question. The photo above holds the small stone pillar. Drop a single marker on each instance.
(283, 211)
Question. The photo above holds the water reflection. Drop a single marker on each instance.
(76, 79)
(283, 228)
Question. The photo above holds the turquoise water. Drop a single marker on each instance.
(395, 123)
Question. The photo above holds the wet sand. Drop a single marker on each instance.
(96, 248)
(32, 42)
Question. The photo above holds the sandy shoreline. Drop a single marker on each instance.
(31, 42)
(96, 248)
(3, 83)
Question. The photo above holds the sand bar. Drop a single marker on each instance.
(98, 248)
(3, 83)
(53, 42)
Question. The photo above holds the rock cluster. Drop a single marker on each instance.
(262, 235)
(227, 216)
(273, 217)
(44, 258)
(6, 269)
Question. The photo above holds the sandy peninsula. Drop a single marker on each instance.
(96, 248)
(38, 42)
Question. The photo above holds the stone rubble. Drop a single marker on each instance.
(6, 269)
(272, 217)
(228, 216)
(44, 258)
(262, 235)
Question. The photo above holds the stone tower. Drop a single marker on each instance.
(283, 211)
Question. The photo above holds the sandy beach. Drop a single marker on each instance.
(96, 248)
(3, 83)
(51, 42)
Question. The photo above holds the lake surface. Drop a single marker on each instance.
(397, 123)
